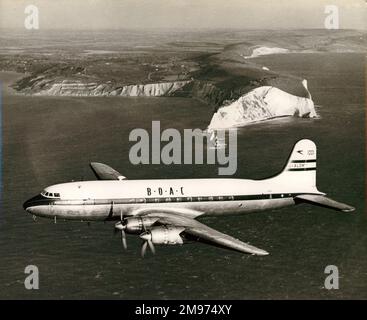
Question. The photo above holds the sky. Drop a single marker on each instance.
(183, 14)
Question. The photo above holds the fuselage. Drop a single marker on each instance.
(108, 200)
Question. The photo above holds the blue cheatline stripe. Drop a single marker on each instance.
(302, 169)
(303, 161)
(56, 202)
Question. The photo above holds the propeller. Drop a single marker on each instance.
(121, 226)
(147, 237)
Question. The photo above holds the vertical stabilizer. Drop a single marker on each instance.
(300, 170)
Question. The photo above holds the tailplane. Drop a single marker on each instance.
(322, 201)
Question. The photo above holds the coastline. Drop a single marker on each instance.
(8, 78)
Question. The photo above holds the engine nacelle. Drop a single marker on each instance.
(166, 235)
(138, 224)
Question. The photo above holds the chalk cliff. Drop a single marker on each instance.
(262, 103)
(262, 51)
(76, 88)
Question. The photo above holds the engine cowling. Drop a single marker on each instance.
(138, 224)
(164, 235)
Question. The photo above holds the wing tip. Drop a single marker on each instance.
(349, 209)
(256, 252)
(261, 252)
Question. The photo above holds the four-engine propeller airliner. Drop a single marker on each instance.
(165, 211)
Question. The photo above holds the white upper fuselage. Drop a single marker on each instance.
(116, 189)
(160, 188)
(100, 200)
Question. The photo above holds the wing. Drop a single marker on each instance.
(105, 172)
(322, 201)
(202, 232)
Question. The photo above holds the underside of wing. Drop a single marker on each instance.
(201, 232)
(105, 172)
(322, 201)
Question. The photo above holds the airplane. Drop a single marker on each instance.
(165, 212)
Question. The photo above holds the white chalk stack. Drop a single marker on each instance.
(261, 104)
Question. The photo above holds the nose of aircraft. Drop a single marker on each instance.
(27, 204)
(31, 202)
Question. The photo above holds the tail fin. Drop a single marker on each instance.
(300, 170)
(299, 175)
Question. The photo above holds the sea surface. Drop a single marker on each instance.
(48, 140)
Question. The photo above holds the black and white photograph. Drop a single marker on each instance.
(183, 150)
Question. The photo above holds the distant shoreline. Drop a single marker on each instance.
(8, 78)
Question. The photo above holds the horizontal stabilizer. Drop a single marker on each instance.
(105, 172)
(322, 201)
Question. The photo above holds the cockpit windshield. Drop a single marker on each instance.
(50, 194)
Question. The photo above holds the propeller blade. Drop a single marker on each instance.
(120, 226)
(151, 246)
(123, 239)
(144, 248)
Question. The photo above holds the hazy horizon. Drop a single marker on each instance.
(183, 14)
(178, 29)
